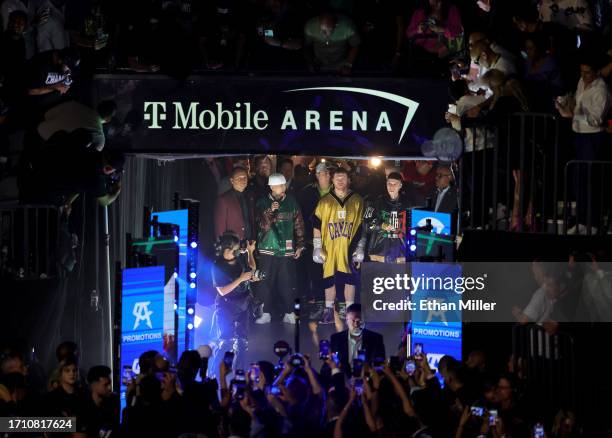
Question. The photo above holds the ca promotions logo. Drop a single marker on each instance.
(142, 313)
(244, 116)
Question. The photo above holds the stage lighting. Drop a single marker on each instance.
(175, 306)
(413, 248)
(194, 245)
(192, 285)
(375, 162)
(323, 160)
(190, 326)
(197, 321)
(190, 311)
(176, 275)
(192, 275)
(413, 232)
(176, 238)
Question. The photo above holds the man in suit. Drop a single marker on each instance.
(346, 344)
(234, 210)
(444, 198)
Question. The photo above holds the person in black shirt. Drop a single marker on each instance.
(101, 408)
(385, 223)
(48, 80)
(232, 274)
(65, 398)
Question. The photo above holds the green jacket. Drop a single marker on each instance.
(281, 233)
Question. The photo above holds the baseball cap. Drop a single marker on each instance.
(321, 167)
(276, 179)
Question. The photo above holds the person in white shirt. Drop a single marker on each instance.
(486, 59)
(542, 303)
(588, 109)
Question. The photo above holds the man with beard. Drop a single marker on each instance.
(280, 240)
(258, 186)
(385, 223)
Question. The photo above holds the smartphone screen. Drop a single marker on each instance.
(269, 33)
(323, 349)
(477, 411)
(418, 348)
(492, 417)
(395, 363)
(538, 431)
(358, 386)
(228, 359)
(410, 367)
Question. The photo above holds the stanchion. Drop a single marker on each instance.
(296, 311)
(108, 302)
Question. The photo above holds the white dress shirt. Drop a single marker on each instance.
(591, 108)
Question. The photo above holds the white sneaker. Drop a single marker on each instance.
(581, 229)
(265, 318)
(289, 318)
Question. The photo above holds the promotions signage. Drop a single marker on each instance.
(142, 321)
(330, 116)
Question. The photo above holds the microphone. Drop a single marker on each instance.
(205, 352)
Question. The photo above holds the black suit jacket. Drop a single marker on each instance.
(371, 342)
(448, 203)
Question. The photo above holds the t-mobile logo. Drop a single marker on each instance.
(154, 112)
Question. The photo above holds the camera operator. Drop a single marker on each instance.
(232, 276)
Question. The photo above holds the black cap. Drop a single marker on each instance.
(395, 175)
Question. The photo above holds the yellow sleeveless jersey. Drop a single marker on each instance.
(340, 222)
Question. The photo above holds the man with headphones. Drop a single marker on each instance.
(233, 271)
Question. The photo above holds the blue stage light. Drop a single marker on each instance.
(190, 311)
(194, 245)
(413, 248)
(412, 232)
(192, 285)
(176, 238)
(193, 275)
(190, 326)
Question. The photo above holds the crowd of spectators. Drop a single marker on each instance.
(542, 56)
(299, 397)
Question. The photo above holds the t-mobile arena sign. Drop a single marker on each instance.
(274, 115)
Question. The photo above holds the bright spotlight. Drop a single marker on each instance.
(375, 162)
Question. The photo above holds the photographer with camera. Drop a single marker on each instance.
(233, 272)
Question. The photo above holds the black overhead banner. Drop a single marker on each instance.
(318, 116)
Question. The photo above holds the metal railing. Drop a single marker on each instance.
(513, 177)
(29, 241)
(545, 361)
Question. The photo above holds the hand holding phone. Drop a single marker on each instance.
(228, 359)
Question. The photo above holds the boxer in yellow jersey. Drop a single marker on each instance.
(337, 240)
